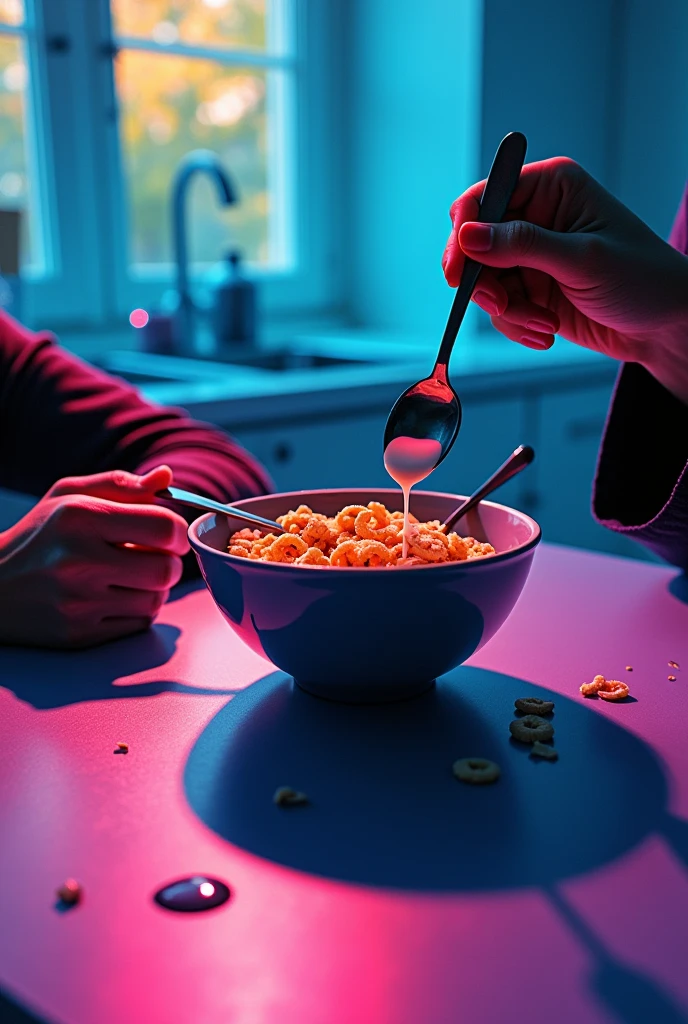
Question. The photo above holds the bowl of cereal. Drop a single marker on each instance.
(336, 601)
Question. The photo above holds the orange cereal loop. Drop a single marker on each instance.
(458, 551)
(246, 534)
(613, 689)
(345, 554)
(431, 546)
(479, 550)
(239, 551)
(286, 548)
(372, 523)
(588, 689)
(317, 534)
(314, 556)
(292, 522)
(344, 520)
(373, 553)
(343, 537)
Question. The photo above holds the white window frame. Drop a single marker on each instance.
(86, 280)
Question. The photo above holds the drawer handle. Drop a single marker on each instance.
(593, 426)
(282, 452)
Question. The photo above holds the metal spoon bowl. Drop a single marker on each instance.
(431, 408)
(209, 505)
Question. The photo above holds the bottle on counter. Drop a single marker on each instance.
(233, 307)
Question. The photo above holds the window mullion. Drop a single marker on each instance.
(71, 290)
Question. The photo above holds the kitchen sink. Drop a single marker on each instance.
(286, 359)
(143, 368)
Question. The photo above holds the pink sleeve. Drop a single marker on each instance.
(60, 417)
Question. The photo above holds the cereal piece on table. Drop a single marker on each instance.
(588, 689)
(70, 892)
(531, 728)
(476, 770)
(534, 706)
(543, 750)
(613, 689)
(287, 797)
(121, 748)
(672, 679)
(673, 664)
(629, 668)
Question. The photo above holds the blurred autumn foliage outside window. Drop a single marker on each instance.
(174, 97)
(14, 174)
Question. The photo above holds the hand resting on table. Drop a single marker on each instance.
(93, 560)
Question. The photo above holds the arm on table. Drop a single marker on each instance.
(61, 417)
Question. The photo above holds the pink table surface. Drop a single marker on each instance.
(588, 924)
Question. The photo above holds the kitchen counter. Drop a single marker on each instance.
(398, 896)
(484, 364)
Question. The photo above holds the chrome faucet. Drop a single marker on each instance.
(199, 160)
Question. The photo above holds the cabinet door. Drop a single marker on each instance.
(345, 452)
(570, 431)
(489, 433)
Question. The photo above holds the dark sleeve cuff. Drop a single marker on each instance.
(641, 484)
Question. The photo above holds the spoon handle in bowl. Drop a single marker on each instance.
(209, 505)
(518, 460)
(499, 188)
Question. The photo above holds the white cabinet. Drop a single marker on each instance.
(490, 430)
(341, 452)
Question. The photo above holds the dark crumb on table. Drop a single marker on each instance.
(287, 797)
(672, 679)
(629, 668)
(674, 664)
(69, 892)
(121, 748)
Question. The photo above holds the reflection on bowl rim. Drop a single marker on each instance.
(366, 570)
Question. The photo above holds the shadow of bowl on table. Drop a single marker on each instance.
(678, 587)
(53, 679)
(12, 1012)
(385, 809)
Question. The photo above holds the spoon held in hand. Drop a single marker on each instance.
(431, 408)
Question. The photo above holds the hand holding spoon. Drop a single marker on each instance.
(431, 408)
(517, 461)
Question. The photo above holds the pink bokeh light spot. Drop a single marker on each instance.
(138, 318)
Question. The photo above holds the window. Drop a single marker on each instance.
(18, 177)
(128, 88)
(205, 74)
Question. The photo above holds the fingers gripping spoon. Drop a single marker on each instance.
(431, 408)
